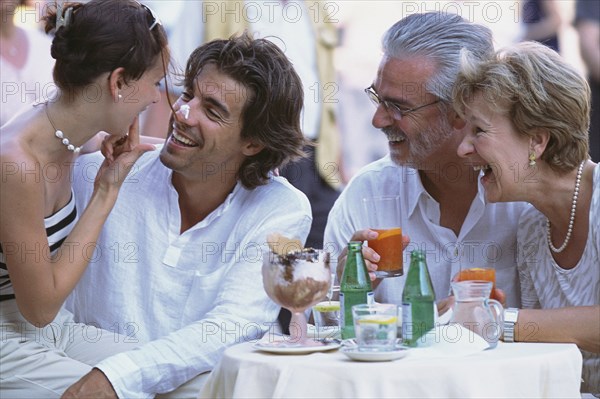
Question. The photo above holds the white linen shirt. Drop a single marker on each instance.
(487, 236)
(185, 297)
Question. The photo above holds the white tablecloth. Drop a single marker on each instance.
(519, 370)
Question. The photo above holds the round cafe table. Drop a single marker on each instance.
(518, 370)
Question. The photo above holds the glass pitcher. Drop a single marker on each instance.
(475, 311)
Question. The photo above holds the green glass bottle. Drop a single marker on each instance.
(417, 301)
(355, 287)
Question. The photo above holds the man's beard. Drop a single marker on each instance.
(423, 144)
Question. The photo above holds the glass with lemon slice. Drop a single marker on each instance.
(326, 314)
(375, 326)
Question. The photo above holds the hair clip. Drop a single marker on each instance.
(68, 16)
(60, 19)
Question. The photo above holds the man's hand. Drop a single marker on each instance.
(92, 385)
(445, 305)
(371, 257)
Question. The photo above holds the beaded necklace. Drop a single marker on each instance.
(61, 136)
(571, 218)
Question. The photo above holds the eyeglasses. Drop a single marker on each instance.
(155, 19)
(394, 109)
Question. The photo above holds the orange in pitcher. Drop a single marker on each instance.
(389, 246)
(481, 274)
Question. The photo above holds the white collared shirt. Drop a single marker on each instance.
(185, 297)
(487, 236)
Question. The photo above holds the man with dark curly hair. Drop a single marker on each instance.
(184, 280)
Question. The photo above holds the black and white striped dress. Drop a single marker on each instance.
(58, 227)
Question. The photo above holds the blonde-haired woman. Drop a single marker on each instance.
(528, 115)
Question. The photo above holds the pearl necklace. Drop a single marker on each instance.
(61, 136)
(571, 219)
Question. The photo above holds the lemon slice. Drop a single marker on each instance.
(327, 308)
(388, 233)
(378, 319)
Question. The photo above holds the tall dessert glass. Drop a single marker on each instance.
(297, 281)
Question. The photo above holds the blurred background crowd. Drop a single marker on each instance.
(358, 25)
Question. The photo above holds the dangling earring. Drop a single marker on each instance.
(120, 96)
(532, 158)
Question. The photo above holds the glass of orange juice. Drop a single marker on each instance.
(479, 274)
(382, 214)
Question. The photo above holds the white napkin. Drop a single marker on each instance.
(445, 318)
(450, 340)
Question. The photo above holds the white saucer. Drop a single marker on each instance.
(351, 343)
(287, 348)
(361, 356)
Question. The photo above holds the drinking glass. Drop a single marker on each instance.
(297, 281)
(383, 215)
(326, 314)
(375, 326)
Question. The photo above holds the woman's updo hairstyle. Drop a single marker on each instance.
(100, 36)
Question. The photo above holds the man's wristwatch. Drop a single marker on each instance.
(510, 319)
